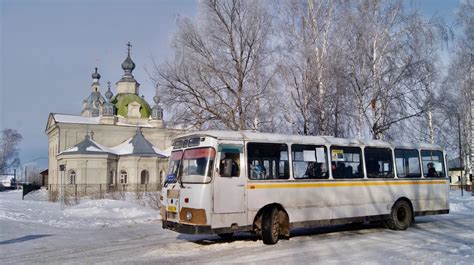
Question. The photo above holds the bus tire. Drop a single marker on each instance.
(401, 216)
(270, 226)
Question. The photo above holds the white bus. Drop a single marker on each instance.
(221, 182)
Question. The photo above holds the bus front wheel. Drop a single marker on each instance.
(401, 216)
(270, 226)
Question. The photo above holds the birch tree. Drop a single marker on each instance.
(221, 74)
(386, 64)
(307, 30)
(457, 89)
(9, 150)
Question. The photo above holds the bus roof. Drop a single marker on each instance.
(304, 139)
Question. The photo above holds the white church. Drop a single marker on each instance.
(117, 139)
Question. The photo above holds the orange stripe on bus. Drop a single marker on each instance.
(340, 184)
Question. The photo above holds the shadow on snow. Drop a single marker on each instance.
(22, 239)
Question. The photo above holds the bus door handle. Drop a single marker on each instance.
(240, 185)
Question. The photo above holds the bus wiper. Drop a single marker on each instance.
(180, 181)
(179, 176)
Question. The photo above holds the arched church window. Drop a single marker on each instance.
(145, 177)
(72, 177)
(123, 177)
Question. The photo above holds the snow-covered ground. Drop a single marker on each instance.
(108, 231)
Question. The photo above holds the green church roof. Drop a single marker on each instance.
(122, 100)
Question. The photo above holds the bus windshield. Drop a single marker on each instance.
(197, 165)
(174, 167)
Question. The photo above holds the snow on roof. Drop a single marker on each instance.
(136, 145)
(93, 149)
(6, 177)
(123, 148)
(87, 146)
(67, 118)
(134, 125)
(166, 152)
(70, 150)
(303, 139)
(64, 118)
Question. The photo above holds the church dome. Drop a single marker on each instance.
(108, 94)
(96, 74)
(128, 64)
(122, 100)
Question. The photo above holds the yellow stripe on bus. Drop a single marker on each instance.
(340, 184)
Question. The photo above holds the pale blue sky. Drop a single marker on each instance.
(49, 49)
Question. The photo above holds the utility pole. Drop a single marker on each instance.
(470, 84)
(25, 177)
(62, 168)
(461, 164)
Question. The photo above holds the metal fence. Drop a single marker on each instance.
(460, 187)
(74, 192)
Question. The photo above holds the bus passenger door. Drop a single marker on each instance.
(229, 181)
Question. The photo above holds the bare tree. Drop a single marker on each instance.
(307, 66)
(389, 70)
(9, 150)
(367, 68)
(456, 93)
(32, 174)
(366, 63)
(221, 74)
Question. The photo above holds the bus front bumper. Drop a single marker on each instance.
(187, 228)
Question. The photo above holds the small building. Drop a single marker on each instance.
(456, 172)
(135, 161)
(7, 180)
(44, 177)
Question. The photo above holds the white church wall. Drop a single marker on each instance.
(88, 169)
(134, 166)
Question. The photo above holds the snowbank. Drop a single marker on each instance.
(89, 213)
(461, 204)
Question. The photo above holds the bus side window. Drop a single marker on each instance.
(309, 161)
(229, 165)
(433, 164)
(346, 162)
(268, 161)
(408, 163)
(378, 162)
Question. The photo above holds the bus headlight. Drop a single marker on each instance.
(194, 216)
(189, 216)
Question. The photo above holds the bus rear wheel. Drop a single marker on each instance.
(400, 217)
(270, 226)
